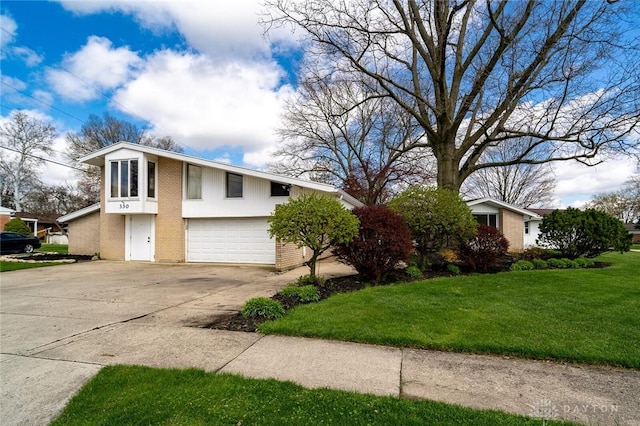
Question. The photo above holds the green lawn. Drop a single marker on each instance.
(128, 395)
(16, 266)
(45, 248)
(580, 315)
(635, 246)
(54, 248)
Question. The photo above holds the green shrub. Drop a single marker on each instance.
(522, 265)
(539, 264)
(570, 263)
(532, 253)
(583, 262)
(556, 263)
(583, 233)
(309, 280)
(17, 225)
(413, 271)
(262, 307)
(305, 293)
(454, 269)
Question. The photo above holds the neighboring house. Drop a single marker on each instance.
(5, 216)
(83, 230)
(519, 226)
(46, 228)
(163, 206)
(634, 230)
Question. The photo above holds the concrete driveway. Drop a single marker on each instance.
(59, 325)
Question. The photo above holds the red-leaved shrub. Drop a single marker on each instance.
(483, 252)
(383, 241)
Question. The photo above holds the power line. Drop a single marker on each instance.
(41, 101)
(42, 158)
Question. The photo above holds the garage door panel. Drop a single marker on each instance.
(243, 240)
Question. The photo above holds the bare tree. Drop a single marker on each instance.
(524, 185)
(336, 131)
(476, 74)
(25, 142)
(56, 200)
(623, 204)
(101, 132)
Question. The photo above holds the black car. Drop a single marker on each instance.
(12, 242)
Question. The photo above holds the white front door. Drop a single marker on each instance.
(141, 237)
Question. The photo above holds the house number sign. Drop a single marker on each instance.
(123, 205)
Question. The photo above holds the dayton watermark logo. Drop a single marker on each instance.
(544, 409)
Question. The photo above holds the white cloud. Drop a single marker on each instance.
(7, 36)
(30, 57)
(221, 29)
(577, 183)
(96, 67)
(206, 105)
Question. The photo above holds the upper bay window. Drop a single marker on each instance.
(124, 179)
(234, 185)
(194, 182)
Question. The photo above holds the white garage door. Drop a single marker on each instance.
(243, 240)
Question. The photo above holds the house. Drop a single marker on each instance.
(163, 206)
(5, 216)
(634, 230)
(518, 225)
(83, 230)
(45, 227)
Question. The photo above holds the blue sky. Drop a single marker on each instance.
(199, 71)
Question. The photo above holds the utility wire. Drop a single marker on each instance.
(41, 101)
(42, 158)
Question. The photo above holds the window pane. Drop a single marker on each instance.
(194, 182)
(480, 218)
(151, 180)
(234, 185)
(493, 220)
(134, 178)
(114, 179)
(279, 189)
(124, 178)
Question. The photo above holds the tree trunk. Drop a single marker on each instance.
(311, 263)
(447, 165)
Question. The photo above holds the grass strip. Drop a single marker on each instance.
(134, 395)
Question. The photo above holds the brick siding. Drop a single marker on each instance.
(288, 256)
(170, 228)
(512, 226)
(111, 229)
(84, 234)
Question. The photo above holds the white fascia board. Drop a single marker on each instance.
(504, 205)
(79, 213)
(97, 159)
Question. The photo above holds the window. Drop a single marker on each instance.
(194, 182)
(151, 179)
(526, 228)
(279, 189)
(234, 185)
(124, 179)
(487, 219)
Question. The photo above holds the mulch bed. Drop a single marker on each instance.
(344, 284)
(46, 257)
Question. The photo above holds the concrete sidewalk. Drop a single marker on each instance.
(584, 394)
(46, 359)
